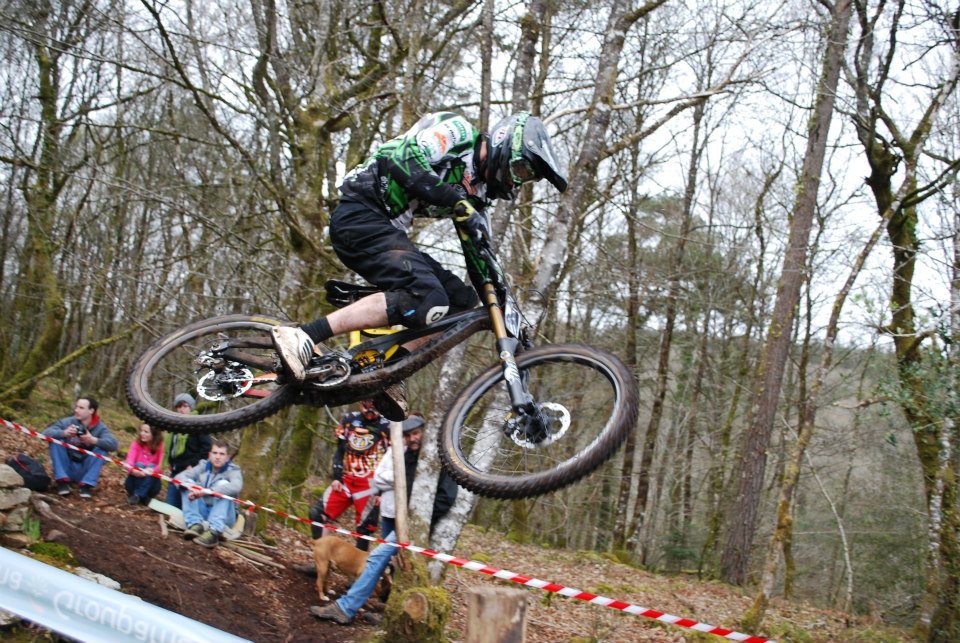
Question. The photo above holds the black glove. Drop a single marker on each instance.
(469, 221)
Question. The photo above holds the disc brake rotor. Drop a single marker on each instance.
(232, 381)
(556, 422)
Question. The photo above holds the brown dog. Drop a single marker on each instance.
(343, 556)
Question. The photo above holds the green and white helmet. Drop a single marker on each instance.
(519, 150)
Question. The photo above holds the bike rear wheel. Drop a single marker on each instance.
(590, 398)
(232, 389)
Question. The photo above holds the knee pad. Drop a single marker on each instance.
(404, 307)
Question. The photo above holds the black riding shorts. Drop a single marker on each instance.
(419, 290)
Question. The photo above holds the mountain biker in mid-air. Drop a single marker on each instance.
(441, 167)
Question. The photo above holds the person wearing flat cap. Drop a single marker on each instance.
(346, 607)
(184, 451)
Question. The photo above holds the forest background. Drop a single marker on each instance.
(762, 221)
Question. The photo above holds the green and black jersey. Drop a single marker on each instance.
(421, 172)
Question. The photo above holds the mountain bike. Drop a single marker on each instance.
(541, 418)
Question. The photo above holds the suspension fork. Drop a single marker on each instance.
(520, 398)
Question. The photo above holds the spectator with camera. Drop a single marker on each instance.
(85, 430)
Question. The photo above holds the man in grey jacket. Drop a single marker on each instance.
(345, 608)
(85, 430)
(215, 474)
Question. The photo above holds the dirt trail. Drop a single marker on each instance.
(265, 604)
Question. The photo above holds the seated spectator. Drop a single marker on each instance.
(216, 473)
(185, 450)
(146, 453)
(346, 607)
(85, 430)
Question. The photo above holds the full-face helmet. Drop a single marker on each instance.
(518, 151)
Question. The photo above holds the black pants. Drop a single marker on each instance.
(419, 290)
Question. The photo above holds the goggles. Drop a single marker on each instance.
(521, 171)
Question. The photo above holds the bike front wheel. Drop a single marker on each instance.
(587, 399)
(228, 364)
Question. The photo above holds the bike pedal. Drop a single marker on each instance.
(329, 370)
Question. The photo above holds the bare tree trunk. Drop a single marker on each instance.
(37, 270)
(782, 534)
(894, 151)
(530, 25)
(446, 533)
(675, 268)
(580, 175)
(486, 64)
(624, 517)
(739, 542)
(717, 473)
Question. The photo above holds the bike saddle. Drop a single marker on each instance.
(342, 293)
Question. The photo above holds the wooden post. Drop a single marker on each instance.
(399, 480)
(414, 612)
(496, 615)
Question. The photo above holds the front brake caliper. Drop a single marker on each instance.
(545, 426)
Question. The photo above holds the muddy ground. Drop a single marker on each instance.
(219, 587)
(267, 603)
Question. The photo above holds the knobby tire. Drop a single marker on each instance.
(154, 406)
(509, 474)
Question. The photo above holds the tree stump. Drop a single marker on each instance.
(496, 615)
(418, 615)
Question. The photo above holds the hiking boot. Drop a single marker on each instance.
(86, 491)
(295, 349)
(310, 569)
(133, 499)
(208, 539)
(63, 488)
(372, 618)
(331, 612)
(392, 402)
(193, 531)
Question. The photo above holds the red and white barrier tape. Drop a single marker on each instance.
(528, 581)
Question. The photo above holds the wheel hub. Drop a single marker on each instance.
(545, 426)
(233, 380)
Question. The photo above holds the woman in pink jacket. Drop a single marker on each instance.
(146, 452)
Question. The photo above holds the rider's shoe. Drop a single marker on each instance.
(392, 402)
(295, 349)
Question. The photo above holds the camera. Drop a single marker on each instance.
(81, 430)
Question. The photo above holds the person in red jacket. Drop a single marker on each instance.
(362, 439)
